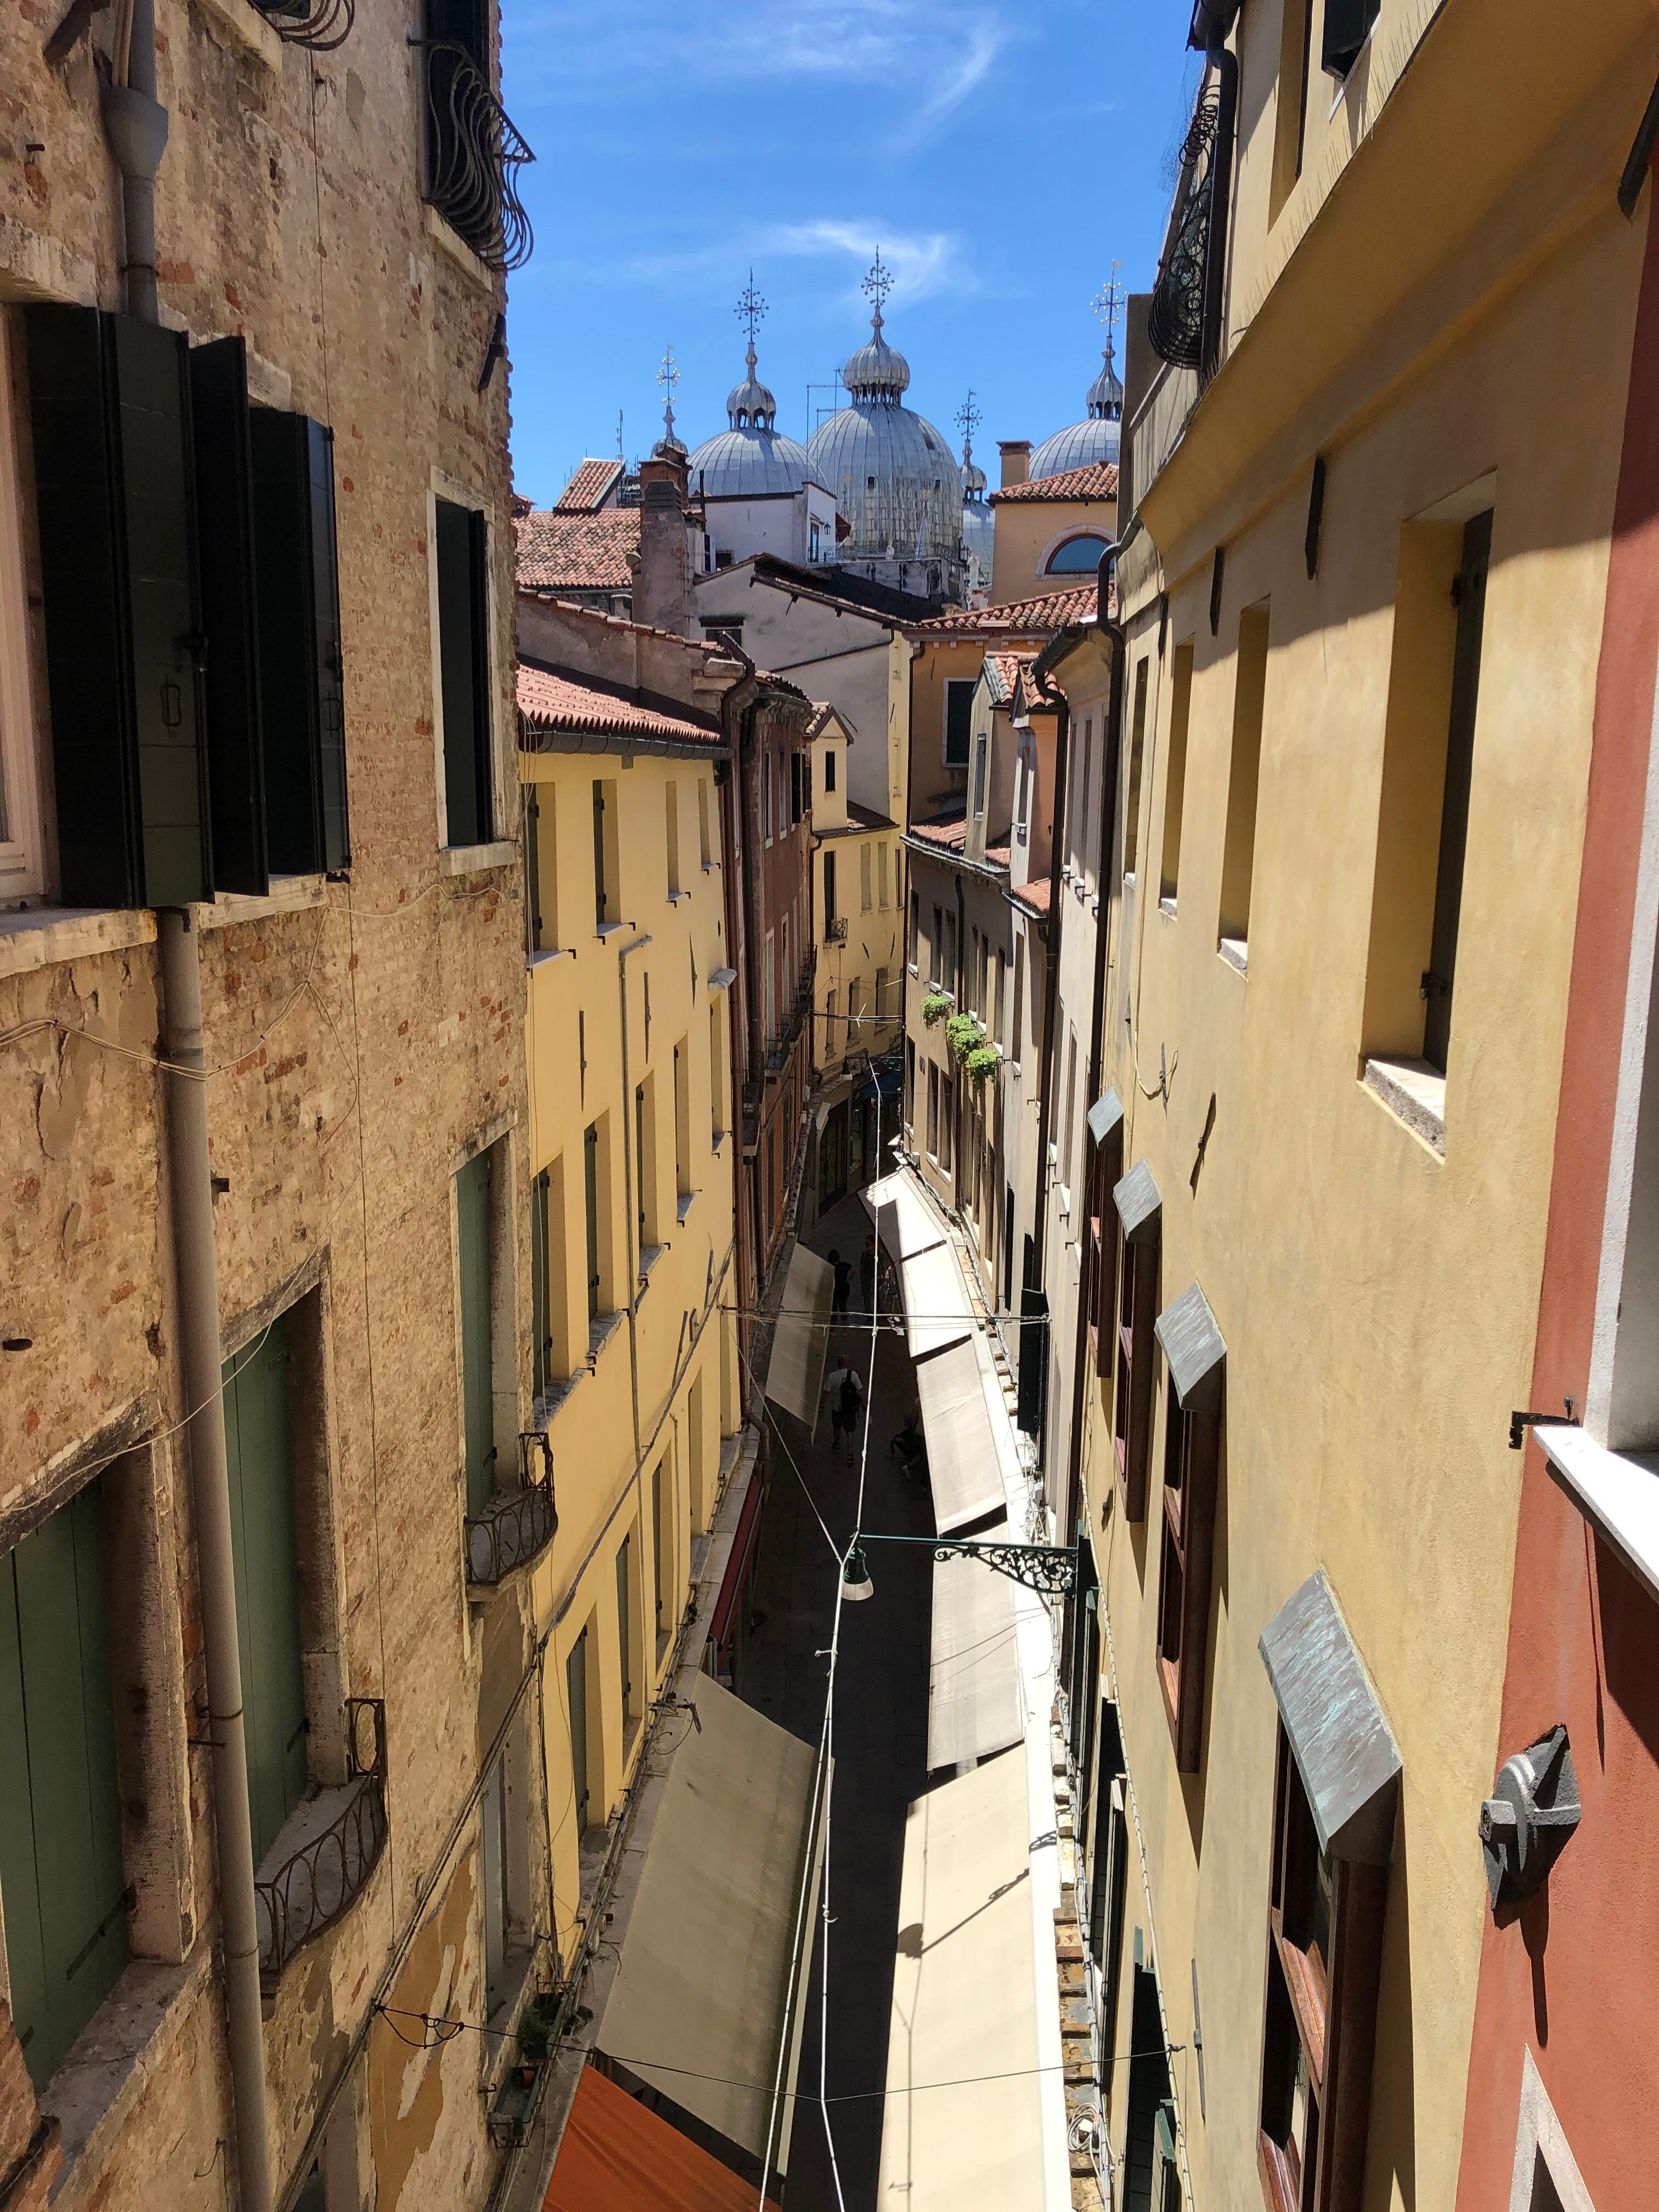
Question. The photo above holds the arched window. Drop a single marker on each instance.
(1077, 557)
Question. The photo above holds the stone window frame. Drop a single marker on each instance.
(503, 849)
(502, 1136)
(24, 783)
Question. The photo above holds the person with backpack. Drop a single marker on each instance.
(843, 1388)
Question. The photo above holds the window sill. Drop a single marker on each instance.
(40, 937)
(551, 952)
(649, 1255)
(686, 1201)
(1236, 952)
(1618, 1491)
(553, 1397)
(287, 895)
(449, 240)
(604, 929)
(601, 1330)
(678, 898)
(1416, 1093)
(717, 1141)
(500, 2044)
(1167, 906)
(710, 867)
(722, 979)
(474, 859)
(119, 2051)
(249, 29)
(912, 970)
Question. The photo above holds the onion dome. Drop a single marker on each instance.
(1097, 438)
(752, 459)
(750, 405)
(892, 476)
(876, 372)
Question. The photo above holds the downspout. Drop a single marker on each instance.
(135, 124)
(1113, 630)
(1051, 967)
(958, 1087)
(737, 710)
(631, 1226)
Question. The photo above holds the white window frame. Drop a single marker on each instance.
(504, 817)
(22, 849)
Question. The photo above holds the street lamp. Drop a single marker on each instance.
(1050, 1569)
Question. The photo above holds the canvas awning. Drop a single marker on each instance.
(702, 1984)
(904, 1221)
(963, 1465)
(1139, 1204)
(795, 1374)
(965, 2006)
(1343, 1746)
(973, 1705)
(1192, 1344)
(936, 1307)
(1105, 1115)
(616, 2155)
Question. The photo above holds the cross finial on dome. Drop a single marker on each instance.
(1108, 304)
(750, 308)
(969, 415)
(876, 286)
(668, 376)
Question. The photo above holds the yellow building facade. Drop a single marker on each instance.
(1361, 597)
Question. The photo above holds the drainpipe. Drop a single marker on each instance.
(1051, 969)
(631, 1224)
(958, 1085)
(135, 124)
(737, 713)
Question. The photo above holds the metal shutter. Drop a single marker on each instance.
(230, 618)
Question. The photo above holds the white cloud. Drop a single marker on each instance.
(925, 263)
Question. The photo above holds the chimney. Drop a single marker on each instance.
(662, 585)
(1016, 460)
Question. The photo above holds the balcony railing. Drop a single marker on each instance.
(520, 1523)
(321, 25)
(472, 153)
(1175, 321)
(314, 1887)
(834, 930)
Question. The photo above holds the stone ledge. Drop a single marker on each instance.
(450, 242)
(1236, 952)
(287, 895)
(1416, 1093)
(474, 859)
(126, 2040)
(40, 937)
(248, 28)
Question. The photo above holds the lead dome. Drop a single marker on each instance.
(891, 474)
(751, 458)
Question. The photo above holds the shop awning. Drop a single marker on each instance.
(888, 1083)
(904, 1221)
(617, 2156)
(1343, 1746)
(702, 1985)
(795, 1375)
(963, 1465)
(974, 1705)
(965, 2006)
(722, 1625)
(936, 1307)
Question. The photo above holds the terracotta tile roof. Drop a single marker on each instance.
(1003, 669)
(1097, 481)
(867, 818)
(1037, 617)
(997, 856)
(948, 831)
(1034, 895)
(549, 700)
(577, 552)
(587, 487)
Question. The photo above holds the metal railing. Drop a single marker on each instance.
(520, 1523)
(1175, 321)
(835, 929)
(472, 150)
(312, 1889)
(321, 25)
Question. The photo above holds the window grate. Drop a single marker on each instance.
(473, 151)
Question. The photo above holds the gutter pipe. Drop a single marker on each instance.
(136, 125)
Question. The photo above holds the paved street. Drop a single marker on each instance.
(880, 1739)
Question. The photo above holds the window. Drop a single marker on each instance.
(1348, 27)
(1470, 598)
(948, 975)
(575, 1678)
(1244, 778)
(828, 891)
(974, 1006)
(1324, 1947)
(464, 687)
(1149, 2097)
(865, 901)
(1137, 742)
(1105, 1170)
(1137, 1307)
(982, 754)
(1066, 1125)
(682, 1121)
(933, 1110)
(1175, 775)
(492, 1830)
(716, 1076)
(829, 1045)
(1077, 557)
(909, 1083)
(771, 1030)
(958, 719)
(1191, 1443)
(473, 1202)
(645, 1164)
(663, 1513)
(915, 931)
(812, 541)
(882, 1009)
(607, 900)
(1002, 992)
(625, 1608)
(591, 1194)
(882, 875)
(23, 858)
(541, 867)
(828, 768)
(1023, 780)
(766, 796)
(947, 1115)
(60, 1833)
(672, 814)
(1290, 119)
(1016, 1035)
(782, 819)
(1080, 818)
(146, 456)
(705, 846)
(551, 1352)
(458, 74)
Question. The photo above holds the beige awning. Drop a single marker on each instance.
(965, 2006)
(795, 1374)
(936, 1307)
(963, 1465)
(974, 1705)
(703, 1982)
(904, 1221)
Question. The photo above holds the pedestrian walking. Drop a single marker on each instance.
(844, 1285)
(843, 1388)
(867, 1276)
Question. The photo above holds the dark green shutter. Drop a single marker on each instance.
(656, 1538)
(110, 414)
(230, 619)
(576, 1677)
(591, 1195)
(542, 1347)
(300, 668)
(477, 1396)
(259, 1450)
(532, 867)
(464, 670)
(623, 1654)
(958, 721)
(60, 1820)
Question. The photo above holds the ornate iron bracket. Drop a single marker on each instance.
(1050, 1569)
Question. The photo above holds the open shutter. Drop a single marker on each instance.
(542, 1348)
(60, 1832)
(478, 1405)
(110, 409)
(464, 672)
(532, 866)
(224, 477)
(299, 643)
(258, 1447)
(575, 1680)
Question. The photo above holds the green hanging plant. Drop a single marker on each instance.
(961, 1033)
(935, 1007)
(983, 1060)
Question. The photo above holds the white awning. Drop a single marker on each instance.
(965, 2006)
(936, 1307)
(962, 1463)
(904, 1221)
(795, 1374)
(973, 1686)
(702, 1985)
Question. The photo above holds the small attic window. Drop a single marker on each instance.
(828, 768)
(869, 484)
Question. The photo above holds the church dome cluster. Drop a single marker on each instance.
(752, 458)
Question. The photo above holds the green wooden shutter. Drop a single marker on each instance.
(330, 659)
(462, 660)
(542, 1343)
(259, 1448)
(60, 1820)
(575, 1676)
(532, 867)
(230, 614)
(478, 1394)
(109, 413)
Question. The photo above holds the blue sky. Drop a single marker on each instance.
(1002, 155)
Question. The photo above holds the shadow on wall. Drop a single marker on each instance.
(1393, 2132)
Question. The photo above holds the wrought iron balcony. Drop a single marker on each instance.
(321, 25)
(1175, 322)
(517, 1525)
(343, 1838)
(472, 152)
(834, 930)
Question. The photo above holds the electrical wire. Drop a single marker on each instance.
(795, 1470)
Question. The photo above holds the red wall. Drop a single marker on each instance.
(1577, 1976)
